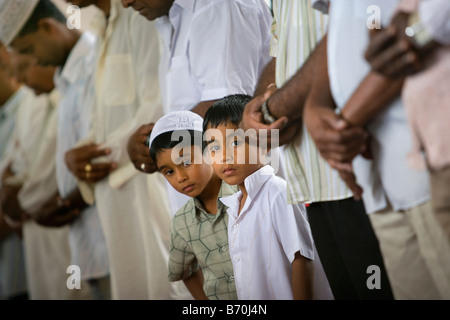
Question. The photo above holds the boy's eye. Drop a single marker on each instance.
(168, 172)
(214, 148)
(236, 143)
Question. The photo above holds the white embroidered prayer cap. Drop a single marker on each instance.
(13, 16)
(176, 121)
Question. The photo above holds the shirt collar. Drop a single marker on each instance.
(79, 53)
(185, 4)
(253, 184)
(202, 215)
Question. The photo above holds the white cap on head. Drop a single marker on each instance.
(176, 121)
(13, 16)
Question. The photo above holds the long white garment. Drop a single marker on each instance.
(47, 253)
(75, 85)
(133, 207)
(12, 264)
(264, 237)
(211, 49)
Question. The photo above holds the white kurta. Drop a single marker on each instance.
(75, 84)
(47, 252)
(133, 207)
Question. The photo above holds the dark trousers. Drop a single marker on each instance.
(347, 246)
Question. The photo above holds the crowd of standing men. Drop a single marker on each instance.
(359, 99)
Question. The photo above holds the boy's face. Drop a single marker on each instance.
(35, 76)
(233, 157)
(185, 169)
(45, 44)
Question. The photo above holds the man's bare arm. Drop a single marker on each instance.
(290, 99)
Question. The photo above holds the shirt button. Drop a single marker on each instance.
(237, 258)
(236, 225)
(231, 279)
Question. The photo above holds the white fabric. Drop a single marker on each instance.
(435, 15)
(13, 16)
(75, 84)
(178, 120)
(212, 48)
(387, 177)
(47, 253)
(12, 264)
(133, 207)
(264, 237)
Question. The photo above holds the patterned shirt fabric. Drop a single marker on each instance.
(297, 29)
(200, 240)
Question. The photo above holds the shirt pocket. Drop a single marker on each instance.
(119, 81)
(181, 86)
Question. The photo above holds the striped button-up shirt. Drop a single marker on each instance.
(297, 29)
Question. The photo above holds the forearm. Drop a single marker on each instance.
(267, 78)
(195, 285)
(76, 200)
(320, 91)
(302, 275)
(290, 99)
(374, 94)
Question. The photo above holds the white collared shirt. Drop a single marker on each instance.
(265, 236)
(211, 49)
(388, 176)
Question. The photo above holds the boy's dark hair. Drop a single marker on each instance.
(44, 9)
(165, 141)
(226, 109)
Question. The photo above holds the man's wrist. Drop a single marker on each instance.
(267, 116)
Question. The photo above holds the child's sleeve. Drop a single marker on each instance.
(292, 227)
(182, 261)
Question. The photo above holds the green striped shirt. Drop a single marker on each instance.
(297, 29)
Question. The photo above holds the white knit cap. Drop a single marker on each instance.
(13, 16)
(176, 121)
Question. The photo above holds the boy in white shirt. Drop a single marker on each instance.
(270, 242)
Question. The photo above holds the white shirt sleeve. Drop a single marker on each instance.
(226, 57)
(292, 227)
(435, 15)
